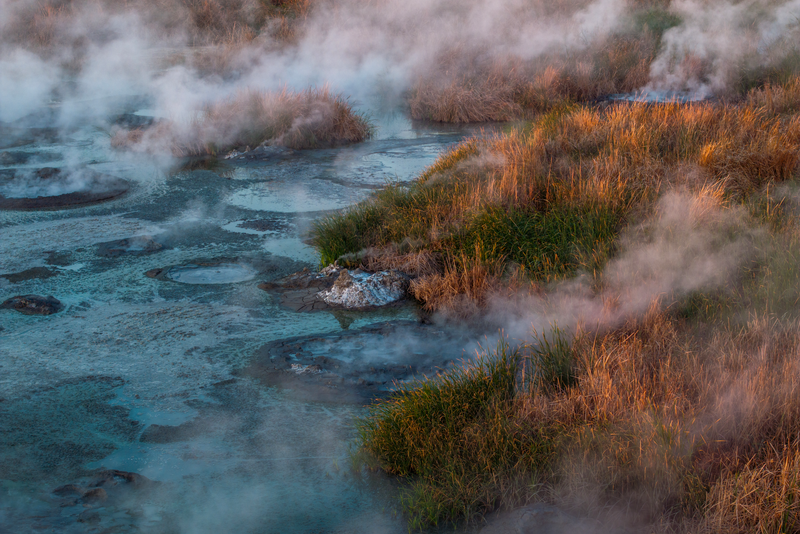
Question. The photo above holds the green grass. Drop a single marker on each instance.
(552, 366)
(456, 437)
(546, 245)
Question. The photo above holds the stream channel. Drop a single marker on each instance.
(145, 375)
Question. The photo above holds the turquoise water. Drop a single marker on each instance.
(90, 388)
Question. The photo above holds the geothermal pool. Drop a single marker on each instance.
(143, 373)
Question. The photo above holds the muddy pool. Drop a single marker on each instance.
(152, 376)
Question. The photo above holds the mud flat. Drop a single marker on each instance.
(50, 188)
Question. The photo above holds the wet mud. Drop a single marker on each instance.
(357, 365)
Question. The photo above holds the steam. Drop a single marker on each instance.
(29, 183)
(26, 84)
(360, 49)
(717, 40)
(368, 50)
(692, 242)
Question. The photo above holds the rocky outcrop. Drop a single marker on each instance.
(33, 304)
(358, 289)
(339, 288)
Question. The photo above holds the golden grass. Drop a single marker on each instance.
(665, 425)
(308, 119)
(462, 88)
(578, 174)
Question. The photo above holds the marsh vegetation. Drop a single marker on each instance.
(665, 398)
(632, 224)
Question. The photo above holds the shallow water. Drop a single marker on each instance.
(138, 373)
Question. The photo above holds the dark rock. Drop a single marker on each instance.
(29, 274)
(33, 304)
(138, 245)
(89, 516)
(68, 490)
(155, 273)
(107, 487)
(94, 495)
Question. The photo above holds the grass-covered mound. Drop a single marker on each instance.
(673, 405)
(548, 199)
(459, 435)
(314, 118)
(664, 425)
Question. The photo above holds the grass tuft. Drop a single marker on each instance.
(457, 436)
(314, 118)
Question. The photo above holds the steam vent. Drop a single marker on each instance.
(54, 188)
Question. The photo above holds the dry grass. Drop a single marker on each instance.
(309, 119)
(464, 88)
(662, 425)
(549, 199)
(777, 98)
(683, 427)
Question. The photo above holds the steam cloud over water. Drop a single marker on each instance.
(361, 49)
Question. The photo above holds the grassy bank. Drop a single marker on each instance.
(549, 198)
(674, 405)
(682, 419)
(314, 118)
(663, 426)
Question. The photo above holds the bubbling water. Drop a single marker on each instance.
(223, 273)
